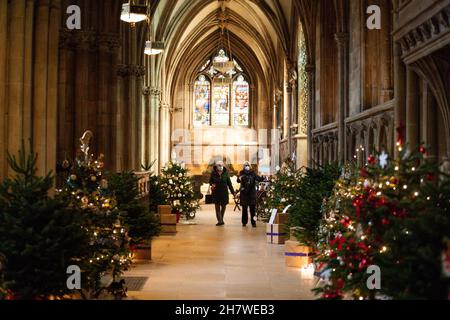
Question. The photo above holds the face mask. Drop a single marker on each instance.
(220, 168)
(247, 168)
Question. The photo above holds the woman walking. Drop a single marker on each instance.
(220, 183)
(248, 179)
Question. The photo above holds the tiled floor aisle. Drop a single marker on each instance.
(205, 262)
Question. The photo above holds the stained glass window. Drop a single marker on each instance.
(221, 93)
(241, 96)
(220, 103)
(202, 89)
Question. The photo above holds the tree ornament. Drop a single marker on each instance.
(383, 160)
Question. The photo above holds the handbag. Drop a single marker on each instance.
(209, 197)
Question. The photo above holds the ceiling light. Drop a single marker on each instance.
(133, 13)
(154, 47)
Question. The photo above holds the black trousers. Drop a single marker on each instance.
(245, 214)
(220, 211)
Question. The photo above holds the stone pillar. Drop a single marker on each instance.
(154, 126)
(3, 79)
(412, 108)
(400, 92)
(165, 142)
(342, 40)
(45, 86)
(15, 79)
(289, 120)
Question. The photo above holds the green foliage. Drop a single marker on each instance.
(313, 187)
(87, 190)
(39, 235)
(282, 190)
(178, 190)
(3, 292)
(157, 196)
(142, 224)
(395, 217)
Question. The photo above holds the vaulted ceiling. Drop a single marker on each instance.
(258, 29)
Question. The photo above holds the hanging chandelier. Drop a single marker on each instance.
(153, 47)
(224, 65)
(133, 13)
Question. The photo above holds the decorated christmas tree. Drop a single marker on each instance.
(394, 215)
(40, 236)
(178, 189)
(87, 190)
(281, 191)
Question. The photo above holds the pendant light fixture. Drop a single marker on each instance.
(152, 47)
(225, 67)
(133, 13)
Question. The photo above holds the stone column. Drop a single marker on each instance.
(412, 108)
(342, 40)
(155, 94)
(165, 137)
(289, 120)
(399, 93)
(146, 123)
(3, 64)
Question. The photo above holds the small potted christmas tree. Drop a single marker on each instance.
(178, 189)
(142, 223)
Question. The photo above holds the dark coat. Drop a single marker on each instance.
(248, 180)
(222, 183)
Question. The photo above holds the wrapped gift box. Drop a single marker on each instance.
(164, 209)
(297, 255)
(281, 218)
(276, 233)
(168, 223)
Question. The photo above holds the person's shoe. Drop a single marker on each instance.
(254, 225)
(218, 224)
(244, 225)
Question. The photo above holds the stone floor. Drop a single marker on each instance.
(205, 262)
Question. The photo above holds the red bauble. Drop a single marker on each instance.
(430, 177)
(371, 159)
(422, 150)
(340, 283)
(363, 172)
(385, 221)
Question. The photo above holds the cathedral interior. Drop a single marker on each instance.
(197, 81)
(316, 82)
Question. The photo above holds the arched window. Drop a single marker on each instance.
(241, 94)
(221, 94)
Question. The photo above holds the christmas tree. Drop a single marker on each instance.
(313, 186)
(40, 237)
(157, 196)
(141, 223)
(87, 190)
(178, 189)
(3, 292)
(393, 215)
(281, 191)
